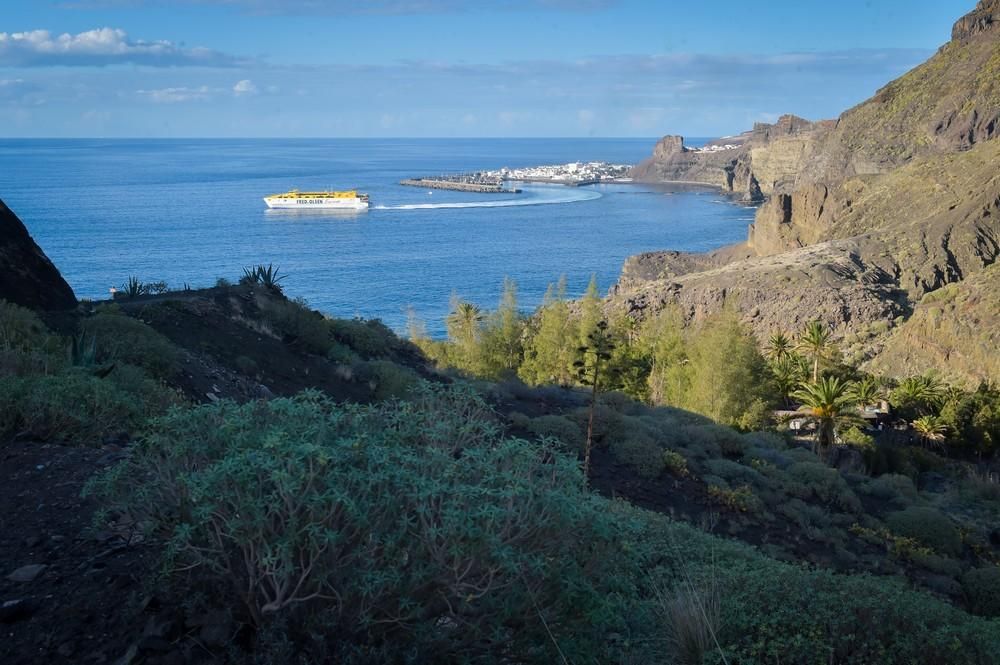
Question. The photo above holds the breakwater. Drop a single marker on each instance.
(461, 185)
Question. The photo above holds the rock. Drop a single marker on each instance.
(32, 541)
(28, 277)
(27, 573)
(668, 146)
(753, 192)
(12, 611)
(985, 17)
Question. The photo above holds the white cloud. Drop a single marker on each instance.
(101, 47)
(178, 95)
(244, 88)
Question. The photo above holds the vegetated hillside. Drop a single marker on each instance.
(897, 199)
(955, 330)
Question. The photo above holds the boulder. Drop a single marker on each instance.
(28, 277)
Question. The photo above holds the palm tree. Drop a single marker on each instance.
(814, 341)
(828, 403)
(917, 395)
(788, 373)
(463, 328)
(931, 429)
(866, 391)
(778, 348)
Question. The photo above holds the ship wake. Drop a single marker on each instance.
(538, 196)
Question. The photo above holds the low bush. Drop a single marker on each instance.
(740, 499)
(334, 520)
(928, 526)
(676, 463)
(386, 379)
(557, 427)
(794, 616)
(122, 339)
(894, 488)
(21, 329)
(767, 440)
(982, 590)
(369, 338)
(640, 452)
(74, 408)
(815, 480)
(733, 472)
(296, 324)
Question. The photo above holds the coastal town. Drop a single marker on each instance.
(574, 174)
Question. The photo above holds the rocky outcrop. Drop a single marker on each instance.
(668, 147)
(837, 282)
(28, 278)
(673, 163)
(986, 16)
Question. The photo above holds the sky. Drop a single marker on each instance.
(447, 68)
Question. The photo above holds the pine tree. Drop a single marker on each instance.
(502, 350)
(550, 349)
(728, 373)
(662, 340)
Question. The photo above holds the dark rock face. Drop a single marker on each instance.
(27, 277)
(668, 146)
(986, 16)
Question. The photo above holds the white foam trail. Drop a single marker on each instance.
(572, 196)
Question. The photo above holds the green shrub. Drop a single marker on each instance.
(928, 526)
(297, 324)
(386, 379)
(805, 515)
(640, 452)
(794, 616)
(334, 520)
(676, 463)
(894, 488)
(76, 407)
(122, 339)
(21, 329)
(557, 427)
(368, 338)
(815, 480)
(982, 590)
(855, 438)
(768, 440)
(734, 472)
(740, 499)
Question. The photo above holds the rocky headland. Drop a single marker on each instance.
(864, 217)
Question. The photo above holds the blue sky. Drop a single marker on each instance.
(219, 68)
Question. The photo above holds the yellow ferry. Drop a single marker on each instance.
(349, 200)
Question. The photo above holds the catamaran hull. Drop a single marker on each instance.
(316, 204)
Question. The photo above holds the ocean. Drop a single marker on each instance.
(190, 211)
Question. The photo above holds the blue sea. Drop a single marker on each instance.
(190, 211)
